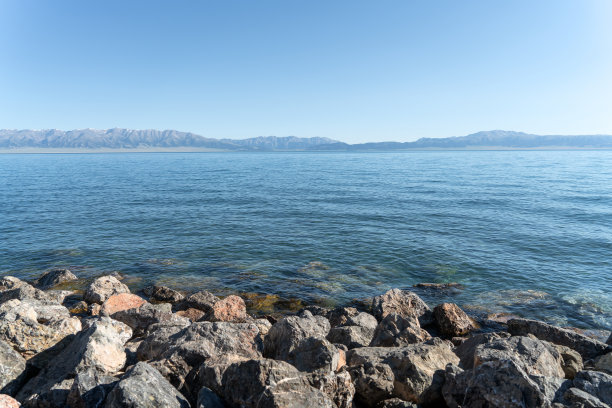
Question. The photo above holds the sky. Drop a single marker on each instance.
(349, 70)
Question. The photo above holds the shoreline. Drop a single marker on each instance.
(106, 346)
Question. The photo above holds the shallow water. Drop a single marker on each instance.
(525, 232)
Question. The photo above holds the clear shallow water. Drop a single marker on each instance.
(528, 233)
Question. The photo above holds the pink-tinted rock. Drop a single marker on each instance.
(120, 302)
(8, 402)
(230, 309)
(192, 314)
(452, 321)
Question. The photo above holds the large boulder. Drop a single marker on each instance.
(186, 351)
(351, 328)
(452, 321)
(531, 355)
(466, 351)
(397, 331)
(104, 287)
(586, 346)
(100, 347)
(142, 316)
(285, 335)
(202, 300)
(266, 383)
(576, 398)
(121, 302)
(54, 277)
(6, 401)
(10, 282)
(595, 383)
(337, 386)
(157, 337)
(163, 294)
(89, 389)
(229, 309)
(28, 332)
(604, 363)
(404, 303)
(47, 307)
(413, 373)
(143, 386)
(12, 369)
(571, 360)
(313, 353)
(497, 383)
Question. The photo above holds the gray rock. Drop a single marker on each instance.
(467, 350)
(586, 346)
(571, 360)
(498, 383)
(54, 277)
(61, 296)
(208, 399)
(404, 303)
(89, 389)
(140, 318)
(609, 341)
(396, 331)
(104, 287)
(12, 369)
(351, 336)
(531, 355)
(580, 399)
(285, 335)
(395, 403)
(595, 383)
(143, 386)
(10, 282)
(339, 316)
(46, 306)
(312, 354)
(417, 371)
(163, 294)
(604, 363)
(266, 383)
(337, 386)
(452, 321)
(158, 336)
(100, 347)
(202, 300)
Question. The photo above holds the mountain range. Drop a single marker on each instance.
(126, 139)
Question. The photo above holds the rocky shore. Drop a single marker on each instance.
(108, 347)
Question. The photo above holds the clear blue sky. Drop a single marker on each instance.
(349, 70)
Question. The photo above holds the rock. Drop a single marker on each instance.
(6, 401)
(531, 355)
(21, 327)
(404, 303)
(157, 338)
(100, 347)
(439, 286)
(604, 363)
(337, 386)
(339, 316)
(395, 403)
(466, 351)
(312, 354)
(60, 296)
(580, 399)
(79, 308)
(285, 335)
(229, 309)
(452, 321)
(208, 399)
(54, 277)
(414, 373)
(192, 314)
(586, 346)
(121, 302)
(94, 309)
(609, 341)
(351, 336)
(595, 383)
(571, 360)
(141, 317)
(266, 383)
(185, 352)
(89, 389)
(396, 331)
(203, 301)
(46, 307)
(103, 288)
(142, 386)
(131, 348)
(263, 325)
(163, 294)
(498, 383)
(12, 369)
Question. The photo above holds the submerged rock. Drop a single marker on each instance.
(397, 331)
(586, 346)
(452, 321)
(12, 369)
(103, 288)
(143, 386)
(54, 277)
(403, 303)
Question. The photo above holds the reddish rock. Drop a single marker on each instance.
(8, 402)
(192, 314)
(452, 321)
(230, 309)
(341, 359)
(120, 302)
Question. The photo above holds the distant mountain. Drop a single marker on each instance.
(172, 139)
(143, 139)
(486, 139)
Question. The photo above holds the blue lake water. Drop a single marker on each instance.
(525, 232)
